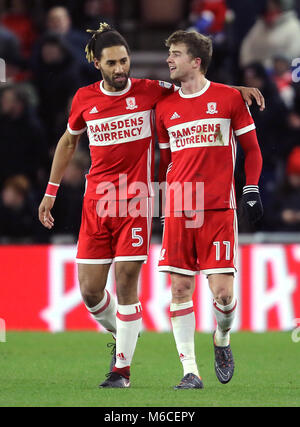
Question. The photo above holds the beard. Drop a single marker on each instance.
(112, 82)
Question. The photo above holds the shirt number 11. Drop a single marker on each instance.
(227, 250)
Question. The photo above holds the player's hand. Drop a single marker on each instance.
(45, 212)
(252, 93)
(251, 203)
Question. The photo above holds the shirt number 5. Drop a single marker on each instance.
(136, 236)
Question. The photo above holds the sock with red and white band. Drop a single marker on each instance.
(184, 325)
(105, 313)
(129, 324)
(225, 316)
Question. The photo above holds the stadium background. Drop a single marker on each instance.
(43, 50)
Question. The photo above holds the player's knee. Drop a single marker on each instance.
(223, 296)
(91, 294)
(182, 289)
(90, 298)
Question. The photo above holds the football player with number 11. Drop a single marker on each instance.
(197, 128)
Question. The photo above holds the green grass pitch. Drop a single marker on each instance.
(64, 369)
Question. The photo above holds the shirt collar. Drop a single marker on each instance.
(122, 92)
(194, 95)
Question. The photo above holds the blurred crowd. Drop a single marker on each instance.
(256, 43)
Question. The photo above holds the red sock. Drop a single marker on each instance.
(125, 372)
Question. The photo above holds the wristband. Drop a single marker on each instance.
(51, 189)
(250, 189)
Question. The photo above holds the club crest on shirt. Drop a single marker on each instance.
(212, 108)
(131, 103)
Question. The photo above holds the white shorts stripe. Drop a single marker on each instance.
(169, 269)
(218, 271)
(93, 261)
(131, 258)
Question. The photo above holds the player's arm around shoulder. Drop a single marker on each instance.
(63, 154)
(160, 89)
(250, 94)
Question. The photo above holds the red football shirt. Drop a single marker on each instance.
(200, 130)
(120, 127)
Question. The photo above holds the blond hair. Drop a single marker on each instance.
(104, 37)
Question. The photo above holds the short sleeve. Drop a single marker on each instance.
(76, 123)
(158, 89)
(241, 119)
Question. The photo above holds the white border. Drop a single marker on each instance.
(122, 92)
(168, 268)
(244, 130)
(131, 258)
(76, 132)
(93, 261)
(219, 270)
(164, 145)
(194, 95)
